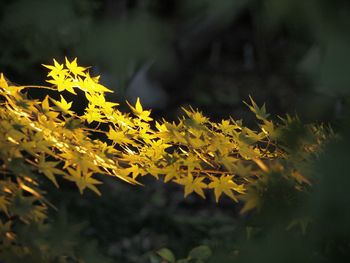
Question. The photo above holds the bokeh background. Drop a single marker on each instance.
(293, 55)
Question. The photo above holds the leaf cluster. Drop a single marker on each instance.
(48, 140)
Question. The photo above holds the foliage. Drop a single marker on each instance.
(48, 139)
(197, 254)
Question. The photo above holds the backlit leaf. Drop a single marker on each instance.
(63, 105)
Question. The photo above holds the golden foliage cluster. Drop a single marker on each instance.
(48, 139)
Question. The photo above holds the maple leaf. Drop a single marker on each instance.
(83, 180)
(62, 83)
(157, 149)
(121, 120)
(56, 69)
(81, 158)
(171, 171)
(74, 68)
(228, 162)
(118, 136)
(225, 185)
(247, 152)
(47, 109)
(139, 112)
(134, 170)
(63, 105)
(192, 184)
(42, 143)
(93, 114)
(242, 170)
(260, 113)
(3, 82)
(191, 161)
(49, 169)
(269, 128)
(12, 90)
(91, 85)
(226, 127)
(196, 116)
(96, 99)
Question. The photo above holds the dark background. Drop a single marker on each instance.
(211, 54)
(292, 55)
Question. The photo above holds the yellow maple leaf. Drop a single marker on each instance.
(225, 184)
(83, 180)
(9, 89)
(63, 105)
(47, 110)
(49, 169)
(91, 85)
(191, 161)
(134, 170)
(3, 82)
(171, 171)
(192, 184)
(157, 149)
(56, 69)
(96, 99)
(62, 83)
(118, 136)
(74, 68)
(139, 112)
(93, 114)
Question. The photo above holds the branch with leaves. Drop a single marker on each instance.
(49, 139)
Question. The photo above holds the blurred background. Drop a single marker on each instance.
(293, 55)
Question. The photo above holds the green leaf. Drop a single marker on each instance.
(200, 252)
(166, 254)
(154, 259)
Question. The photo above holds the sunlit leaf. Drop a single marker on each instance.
(192, 184)
(49, 169)
(74, 68)
(83, 180)
(56, 69)
(138, 111)
(63, 105)
(225, 184)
